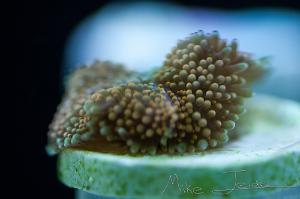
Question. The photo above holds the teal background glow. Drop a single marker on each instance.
(140, 35)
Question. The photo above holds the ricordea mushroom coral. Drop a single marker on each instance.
(190, 104)
(80, 84)
(97, 76)
(210, 79)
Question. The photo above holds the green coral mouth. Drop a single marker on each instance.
(264, 160)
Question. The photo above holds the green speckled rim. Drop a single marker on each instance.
(264, 161)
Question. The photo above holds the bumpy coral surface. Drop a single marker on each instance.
(97, 76)
(191, 104)
(79, 85)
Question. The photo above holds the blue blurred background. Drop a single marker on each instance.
(139, 35)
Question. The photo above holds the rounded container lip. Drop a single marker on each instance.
(188, 160)
(273, 159)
